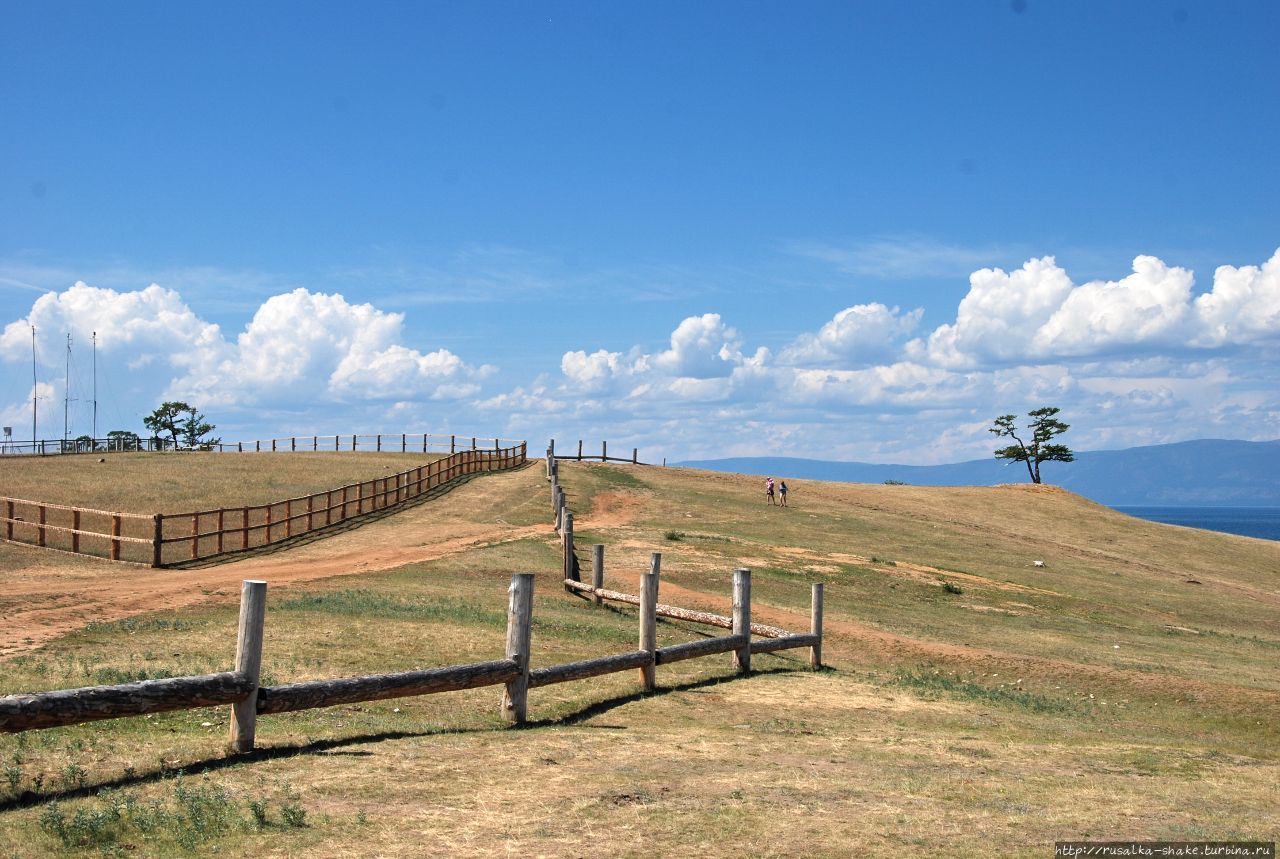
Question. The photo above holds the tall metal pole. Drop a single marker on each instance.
(95, 388)
(66, 395)
(34, 389)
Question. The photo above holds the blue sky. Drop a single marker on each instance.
(843, 230)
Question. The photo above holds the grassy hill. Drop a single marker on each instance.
(975, 702)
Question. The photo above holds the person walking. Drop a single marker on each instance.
(768, 489)
(782, 493)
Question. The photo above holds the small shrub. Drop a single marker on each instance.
(895, 483)
(258, 809)
(952, 588)
(293, 814)
(674, 535)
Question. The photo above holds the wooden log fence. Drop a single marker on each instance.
(602, 456)
(774, 638)
(240, 687)
(78, 530)
(162, 539)
(397, 442)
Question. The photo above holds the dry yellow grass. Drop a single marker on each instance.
(1102, 696)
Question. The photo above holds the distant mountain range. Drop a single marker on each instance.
(1201, 473)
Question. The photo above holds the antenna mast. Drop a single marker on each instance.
(95, 387)
(35, 385)
(66, 395)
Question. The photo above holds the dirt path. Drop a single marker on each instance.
(59, 603)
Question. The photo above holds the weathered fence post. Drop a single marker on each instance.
(815, 625)
(41, 517)
(221, 523)
(579, 450)
(649, 628)
(253, 611)
(655, 563)
(115, 533)
(273, 445)
(244, 527)
(404, 442)
(156, 537)
(597, 571)
(453, 444)
(635, 456)
(604, 451)
(293, 443)
(75, 531)
(569, 566)
(742, 618)
(515, 698)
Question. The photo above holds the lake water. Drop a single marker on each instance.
(1261, 522)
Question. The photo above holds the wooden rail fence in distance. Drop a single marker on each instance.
(240, 688)
(162, 539)
(389, 442)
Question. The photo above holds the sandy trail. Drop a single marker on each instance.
(46, 602)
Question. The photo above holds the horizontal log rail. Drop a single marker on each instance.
(662, 610)
(93, 703)
(240, 688)
(768, 645)
(702, 647)
(587, 668)
(375, 687)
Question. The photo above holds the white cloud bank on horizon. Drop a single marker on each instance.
(1133, 361)
(1141, 358)
(300, 349)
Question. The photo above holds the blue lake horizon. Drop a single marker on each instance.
(1260, 522)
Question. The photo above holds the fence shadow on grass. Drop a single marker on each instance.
(339, 746)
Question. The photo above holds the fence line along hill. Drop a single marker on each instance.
(158, 538)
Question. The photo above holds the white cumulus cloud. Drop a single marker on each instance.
(861, 334)
(1244, 305)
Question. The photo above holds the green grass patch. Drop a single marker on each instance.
(188, 818)
(368, 603)
(955, 687)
